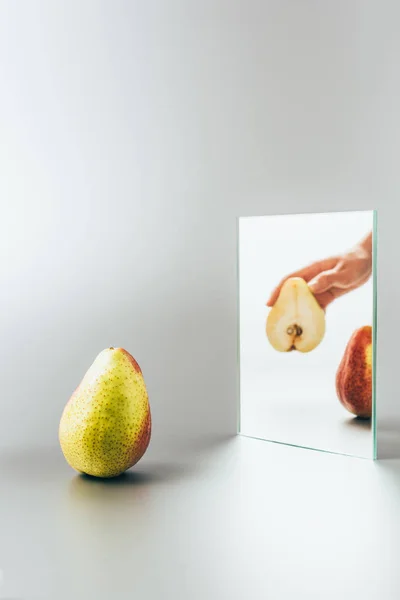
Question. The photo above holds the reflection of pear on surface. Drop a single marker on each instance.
(296, 321)
(105, 427)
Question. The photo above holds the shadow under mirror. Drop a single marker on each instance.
(307, 328)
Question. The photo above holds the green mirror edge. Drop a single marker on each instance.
(374, 331)
(238, 408)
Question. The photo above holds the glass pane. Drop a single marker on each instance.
(307, 330)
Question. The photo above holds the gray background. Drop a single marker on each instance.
(132, 136)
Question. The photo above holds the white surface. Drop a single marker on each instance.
(291, 397)
(201, 520)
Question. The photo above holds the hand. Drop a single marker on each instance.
(333, 277)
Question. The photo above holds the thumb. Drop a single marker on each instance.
(324, 281)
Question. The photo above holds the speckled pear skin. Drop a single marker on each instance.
(105, 427)
(354, 374)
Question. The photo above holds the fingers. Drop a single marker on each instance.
(325, 298)
(307, 273)
(324, 281)
(341, 277)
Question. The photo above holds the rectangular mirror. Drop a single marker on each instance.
(307, 330)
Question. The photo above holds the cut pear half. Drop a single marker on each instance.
(296, 321)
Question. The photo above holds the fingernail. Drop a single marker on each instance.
(312, 285)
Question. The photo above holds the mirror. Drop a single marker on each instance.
(307, 330)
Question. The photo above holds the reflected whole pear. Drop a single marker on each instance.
(296, 321)
(354, 374)
(105, 427)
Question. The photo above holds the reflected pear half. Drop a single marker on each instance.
(296, 321)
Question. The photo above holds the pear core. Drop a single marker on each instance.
(296, 321)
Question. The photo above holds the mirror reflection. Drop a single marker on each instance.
(306, 330)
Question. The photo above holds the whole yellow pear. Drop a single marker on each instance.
(105, 427)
